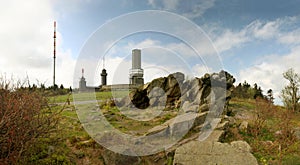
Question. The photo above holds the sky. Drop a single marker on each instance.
(253, 40)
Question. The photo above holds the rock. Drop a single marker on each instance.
(223, 126)
(243, 126)
(175, 90)
(156, 92)
(183, 123)
(153, 101)
(113, 158)
(216, 136)
(231, 120)
(179, 125)
(212, 153)
(297, 132)
(189, 107)
(204, 108)
(241, 145)
(139, 99)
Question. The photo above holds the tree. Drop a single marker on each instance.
(290, 93)
(257, 91)
(270, 96)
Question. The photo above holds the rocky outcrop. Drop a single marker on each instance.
(179, 125)
(212, 153)
(174, 91)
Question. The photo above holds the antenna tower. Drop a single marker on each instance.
(54, 53)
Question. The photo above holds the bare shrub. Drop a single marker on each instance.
(24, 117)
(262, 112)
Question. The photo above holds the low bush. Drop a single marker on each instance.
(24, 117)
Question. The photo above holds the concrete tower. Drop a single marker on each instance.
(136, 72)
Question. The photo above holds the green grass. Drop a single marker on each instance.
(88, 96)
(73, 145)
(246, 104)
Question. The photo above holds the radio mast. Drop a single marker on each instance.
(54, 53)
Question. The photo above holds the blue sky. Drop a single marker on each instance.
(256, 40)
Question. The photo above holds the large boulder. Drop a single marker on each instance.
(212, 153)
(193, 95)
(180, 125)
(168, 87)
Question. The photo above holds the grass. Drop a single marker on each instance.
(71, 143)
(136, 127)
(87, 96)
(246, 104)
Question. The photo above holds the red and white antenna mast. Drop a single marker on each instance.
(54, 53)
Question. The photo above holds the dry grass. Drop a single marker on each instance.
(270, 132)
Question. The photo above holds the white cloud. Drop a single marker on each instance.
(265, 30)
(152, 3)
(65, 7)
(291, 37)
(230, 39)
(199, 8)
(268, 74)
(170, 4)
(226, 39)
(190, 9)
(200, 70)
(267, 71)
(26, 42)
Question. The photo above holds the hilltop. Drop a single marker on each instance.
(267, 134)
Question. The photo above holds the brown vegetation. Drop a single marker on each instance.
(24, 117)
(270, 133)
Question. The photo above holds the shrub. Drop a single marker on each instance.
(24, 117)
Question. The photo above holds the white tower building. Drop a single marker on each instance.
(136, 73)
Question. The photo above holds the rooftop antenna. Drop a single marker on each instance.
(54, 53)
(103, 62)
(82, 72)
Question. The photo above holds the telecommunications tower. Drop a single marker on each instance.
(54, 53)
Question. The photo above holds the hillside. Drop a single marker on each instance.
(267, 135)
(247, 128)
(272, 131)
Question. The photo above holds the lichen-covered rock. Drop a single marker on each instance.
(175, 92)
(212, 153)
(243, 126)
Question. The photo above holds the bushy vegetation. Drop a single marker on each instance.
(270, 131)
(25, 118)
(245, 90)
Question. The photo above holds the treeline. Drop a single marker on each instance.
(290, 94)
(48, 91)
(246, 91)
